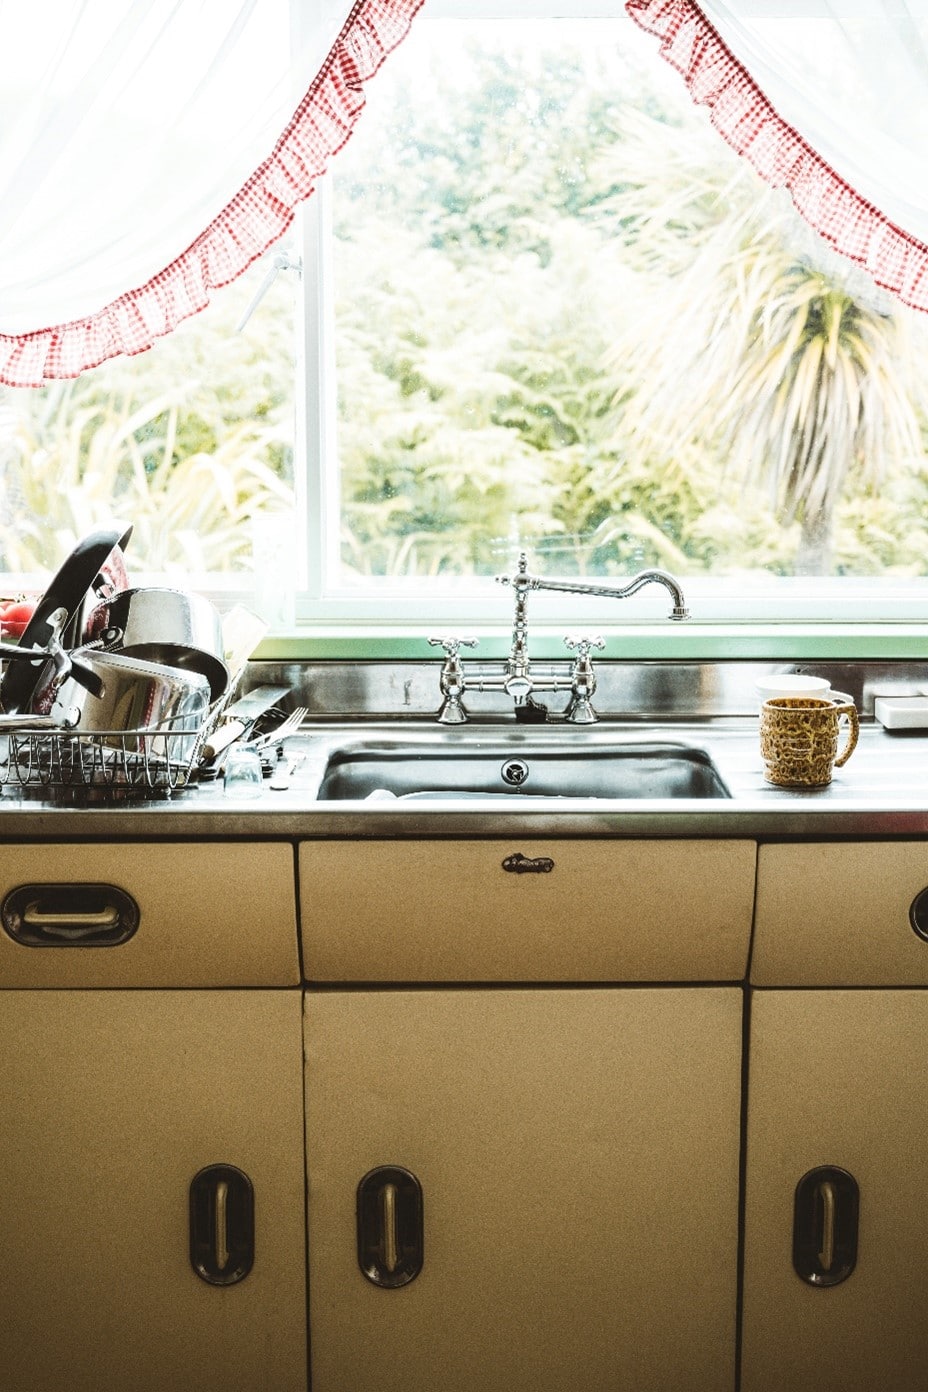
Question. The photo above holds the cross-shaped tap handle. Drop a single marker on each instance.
(582, 642)
(452, 644)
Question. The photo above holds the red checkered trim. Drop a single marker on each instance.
(255, 218)
(745, 119)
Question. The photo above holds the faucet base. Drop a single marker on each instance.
(580, 712)
(531, 712)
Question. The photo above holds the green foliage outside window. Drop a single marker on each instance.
(186, 442)
(567, 317)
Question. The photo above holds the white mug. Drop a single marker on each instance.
(795, 684)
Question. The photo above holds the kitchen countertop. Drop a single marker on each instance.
(881, 791)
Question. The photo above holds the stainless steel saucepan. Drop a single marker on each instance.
(162, 709)
(173, 628)
(137, 696)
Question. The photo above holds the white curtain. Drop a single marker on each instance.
(828, 98)
(151, 149)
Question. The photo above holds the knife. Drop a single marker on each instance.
(240, 715)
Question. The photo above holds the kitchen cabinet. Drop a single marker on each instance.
(186, 915)
(152, 1213)
(838, 1081)
(572, 1149)
(576, 1156)
(526, 909)
(837, 1112)
(113, 1103)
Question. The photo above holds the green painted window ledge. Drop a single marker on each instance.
(659, 642)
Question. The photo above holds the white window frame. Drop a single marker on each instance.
(479, 604)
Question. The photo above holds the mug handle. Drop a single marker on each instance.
(846, 707)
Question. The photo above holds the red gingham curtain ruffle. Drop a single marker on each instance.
(741, 113)
(252, 221)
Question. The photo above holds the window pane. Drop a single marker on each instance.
(187, 442)
(570, 318)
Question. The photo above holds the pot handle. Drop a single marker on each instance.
(67, 664)
(25, 723)
(86, 677)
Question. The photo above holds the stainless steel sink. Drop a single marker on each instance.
(569, 768)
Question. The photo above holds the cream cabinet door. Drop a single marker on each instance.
(576, 1153)
(113, 1102)
(838, 1086)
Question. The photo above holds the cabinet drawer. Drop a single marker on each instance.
(208, 914)
(838, 915)
(583, 911)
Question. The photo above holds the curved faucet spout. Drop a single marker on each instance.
(522, 581)
(637, 582)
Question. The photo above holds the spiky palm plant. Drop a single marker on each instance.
(818, 397)
(795, 377)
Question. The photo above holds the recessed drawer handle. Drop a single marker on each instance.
(104, 918)
(390, 1229)
(519, 864)
(825, 1226)
(69, 915)
(222, 1225)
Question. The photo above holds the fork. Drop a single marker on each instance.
(287, 727)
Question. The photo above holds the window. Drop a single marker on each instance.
(544, 307)
(188, 442)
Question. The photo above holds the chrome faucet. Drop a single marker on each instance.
(518, 677)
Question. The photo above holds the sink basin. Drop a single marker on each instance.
(501, 769)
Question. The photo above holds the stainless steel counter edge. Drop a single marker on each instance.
(881, 792)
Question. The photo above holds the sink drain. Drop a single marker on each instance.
(514, 772)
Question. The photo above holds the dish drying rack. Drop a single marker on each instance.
(162, 758)
(159, 759)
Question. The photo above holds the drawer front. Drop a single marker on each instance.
(106, 914)
(515, 910)
(839, 915)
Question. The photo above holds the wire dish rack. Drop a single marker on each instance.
(160, 759)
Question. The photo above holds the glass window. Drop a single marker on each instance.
(192, 440)
(569, 318)
(543, 307)
(187, 442)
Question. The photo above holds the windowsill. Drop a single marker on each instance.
(684, 642)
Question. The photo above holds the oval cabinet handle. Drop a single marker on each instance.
(825, 1220)
(390, 1226)
(222, 1225)
(69, 915)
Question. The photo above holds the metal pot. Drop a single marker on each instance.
(137, 696)
(170, 627)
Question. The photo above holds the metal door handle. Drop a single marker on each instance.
(390, 1226)
(104, 918)
(826, 1256)
(390, 1246)
(825, 1221)
(222, 1225)
(69, 915)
